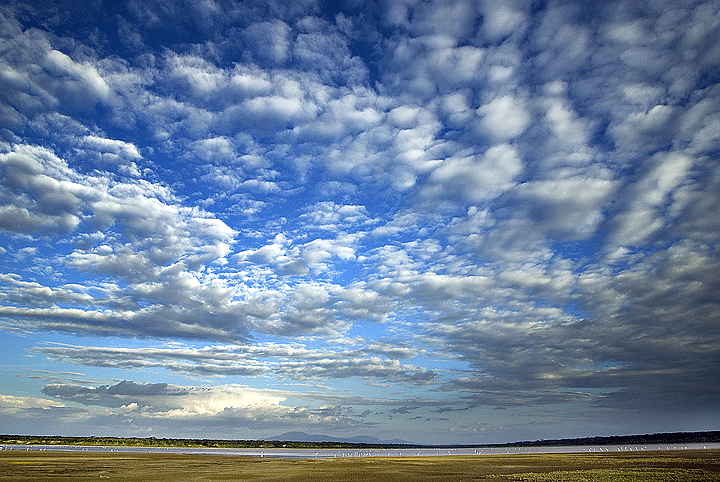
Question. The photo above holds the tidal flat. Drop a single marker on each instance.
(686, 465)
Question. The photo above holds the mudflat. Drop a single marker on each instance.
(686, 465)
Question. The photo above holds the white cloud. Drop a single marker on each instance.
(643, 94)
(647, 129)
(37, 77)
(451, 18)
(330, 216)
(119, 148)
(156, 246)
(504, 118)
(700, 124)
(35, 200)
(473, 179)
(565, 124)
(10, 404)
(84, 78)
(419, 66)
(110, 154)
(270, 40)
(175, 402)
(465, 62)
(341, 117)
(645, 213)
(501, 19)
(202, 78)
(249, 81)
(326, 54)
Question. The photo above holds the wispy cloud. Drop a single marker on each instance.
(283, 361)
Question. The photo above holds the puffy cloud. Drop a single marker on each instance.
(651, 197)
(330, 216)
(504, 118)
(272, 112)
(161, 399)
(328, 56)
(502, 19)
(110, 154)
(647, 129)
(36, 201)
(699, 124)
(160, 403)
(419, 65)
(156, 246)
(347, 115)
(47, 190)
(474, 179)
(37, 77)
(270, 41)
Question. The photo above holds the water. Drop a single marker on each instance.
(330, 453)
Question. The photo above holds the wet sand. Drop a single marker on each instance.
(698, 465)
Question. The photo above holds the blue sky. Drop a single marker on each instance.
(447, 222)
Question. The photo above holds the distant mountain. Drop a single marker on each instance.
(661, 438)
(304, 437)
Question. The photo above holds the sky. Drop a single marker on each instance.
(447, 222)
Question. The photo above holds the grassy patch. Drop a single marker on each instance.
(614, 475)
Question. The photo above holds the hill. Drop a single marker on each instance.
(655, 438)
(366, 440)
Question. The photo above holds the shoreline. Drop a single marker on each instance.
(326, 453)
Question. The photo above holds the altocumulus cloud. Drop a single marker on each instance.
(267, 217)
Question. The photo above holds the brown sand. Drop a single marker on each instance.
(18, 465)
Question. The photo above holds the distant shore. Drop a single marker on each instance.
(658, 438)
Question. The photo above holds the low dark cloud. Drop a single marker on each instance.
(110, 396)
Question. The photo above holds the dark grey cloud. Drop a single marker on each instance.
(111, 396)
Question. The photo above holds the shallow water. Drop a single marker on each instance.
(329, 453)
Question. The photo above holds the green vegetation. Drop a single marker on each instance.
(39, 466)
(177, 442)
